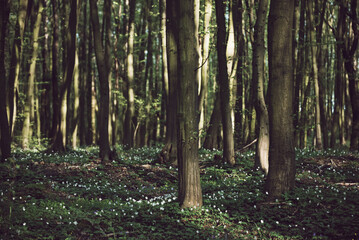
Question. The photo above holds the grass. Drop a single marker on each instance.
(73, 196)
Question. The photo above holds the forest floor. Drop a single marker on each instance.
(73, 196)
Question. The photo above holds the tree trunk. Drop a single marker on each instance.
(54, 77)
(228, 141)
(281, 175)
(60, 139)
(349, 45)
(104, 62)
(213, 134)
(238, 30)
(29, 104)
(15, 62)
(5, 137)
(189, 191)
(299, 74)
(130, 94)
(169, 151)
(261, 159)
(314, 53)
(205, 66)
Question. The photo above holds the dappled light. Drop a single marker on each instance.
(73, 196)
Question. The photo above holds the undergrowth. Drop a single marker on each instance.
(74, 196)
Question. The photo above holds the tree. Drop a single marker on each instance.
(5, 138)
(281, 173)
(16, 58)
(130, 94)
(190, 192)
(348, 42)
(228, 141)
(169, 151)
(104, 62)
(261, 159)
(70, 44)
(205, 64)
(29, 105)
(314, 51)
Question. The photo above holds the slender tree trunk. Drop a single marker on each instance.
(238, 113)
(169, 151)
(15, 62)
(314, 51)
(189, 191)
(349, 45)
(281, 175)
(29, 105)
(60, 139)
(5, 137)
(261, 159)
(130, 94)
(54, 77)
(83, 124)
(213, 133)
(76, 103)
(299, 74)
(104, 62)
(205, 65)
(228, 141)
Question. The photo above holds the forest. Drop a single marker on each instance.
(191, 119)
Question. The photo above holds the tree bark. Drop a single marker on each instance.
(228, 141)
(54, 73)
(130, 94)
(314, 52)
(169, 151)
(189, 191)
(261, 159)
(15, 62)
(281, 175)
(213, 134)
(104, 63)
(70, 42)
(29, 105)
(205, 65)
(349, 45)
(238, 113)
(5, 137)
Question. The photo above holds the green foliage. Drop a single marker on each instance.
(73, 196)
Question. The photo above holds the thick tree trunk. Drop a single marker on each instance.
(228, 141)
(261, 159)
(281, 176)
(189, 191)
